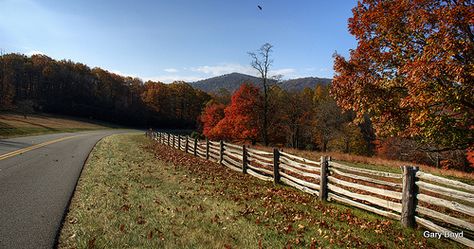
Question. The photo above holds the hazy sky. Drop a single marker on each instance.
(177, 39)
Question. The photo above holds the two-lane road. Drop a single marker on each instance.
(37, 179)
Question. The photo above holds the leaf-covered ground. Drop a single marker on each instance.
(137, 194)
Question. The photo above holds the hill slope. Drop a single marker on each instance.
(14, 125)
(232, 82)
(302, 83)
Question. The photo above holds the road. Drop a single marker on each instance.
(38, 175)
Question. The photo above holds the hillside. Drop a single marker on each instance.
(302, 83)
(232, 82)
(14, 125)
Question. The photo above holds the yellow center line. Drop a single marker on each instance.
(36, 146)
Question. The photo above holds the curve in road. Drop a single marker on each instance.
(37, 179)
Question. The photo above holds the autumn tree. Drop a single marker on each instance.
(296, 117)
(241, 121)
(71, 88)
(328, 122)
(222, 95)
(210, 117)
(412, 70)
(262, 62)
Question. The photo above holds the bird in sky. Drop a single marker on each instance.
(260, 7)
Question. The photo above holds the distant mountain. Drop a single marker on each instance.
(302, 83)
(232, 82)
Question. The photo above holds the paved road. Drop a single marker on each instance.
(38, 175)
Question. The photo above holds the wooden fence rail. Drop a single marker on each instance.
(413, 197)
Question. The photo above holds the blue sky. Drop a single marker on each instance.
(180, 40)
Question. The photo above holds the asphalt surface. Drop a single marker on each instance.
(36, 185)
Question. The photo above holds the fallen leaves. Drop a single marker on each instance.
(122, 228)
(140, 220)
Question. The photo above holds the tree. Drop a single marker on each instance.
(412, 71)
(70, 88)
(328, 121)
(240, 121)
(25, 107)
(210, 117)
(296, 117)
(262, 62)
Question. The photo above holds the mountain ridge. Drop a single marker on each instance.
(232, 82)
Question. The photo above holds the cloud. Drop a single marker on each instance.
(224, 69)
(33, 52)
(171, 70)
(221, 69)
(283, 71)
(124, 74)
(171, 78)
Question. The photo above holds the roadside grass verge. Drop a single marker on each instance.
(134, 193)
(14, 125)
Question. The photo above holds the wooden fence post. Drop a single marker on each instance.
(221, 151)
(409, 191)
(186, 145)
(276, 166)
(323, 182)
(207, 148)
(195, 146)
(244, 159)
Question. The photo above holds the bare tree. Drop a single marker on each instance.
(262, 62)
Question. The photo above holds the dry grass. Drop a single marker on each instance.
(12, 125)
(45, 121)
(134, 193)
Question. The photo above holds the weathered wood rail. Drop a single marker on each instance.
(413, 197)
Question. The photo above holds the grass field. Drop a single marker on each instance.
(136, 194)
(14, 125)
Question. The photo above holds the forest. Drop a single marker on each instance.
(42, 84)
(310, 119)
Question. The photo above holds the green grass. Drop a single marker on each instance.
(135, 194)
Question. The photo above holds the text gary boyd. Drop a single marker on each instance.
(428, 234)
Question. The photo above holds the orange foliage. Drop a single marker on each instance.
(210, 117)
(241, 118)
(412, 69)
(470, 156)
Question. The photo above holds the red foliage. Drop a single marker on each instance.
(210, 117)
(241, 118)
(470, 156)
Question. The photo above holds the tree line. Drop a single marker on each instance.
(309, 119)
(43, 84)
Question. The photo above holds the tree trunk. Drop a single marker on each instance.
(265, 113)
(325, 145)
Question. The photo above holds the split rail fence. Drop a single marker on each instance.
(412, 196)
